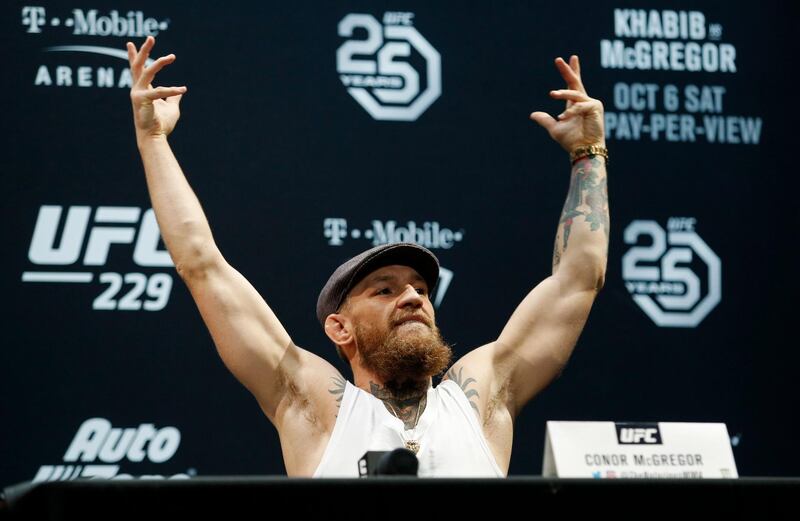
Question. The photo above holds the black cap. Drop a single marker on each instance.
(351, 272)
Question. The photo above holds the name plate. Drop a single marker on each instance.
(575, 449)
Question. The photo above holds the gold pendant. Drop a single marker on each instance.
(412, 445)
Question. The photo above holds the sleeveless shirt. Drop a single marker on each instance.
(451, 440)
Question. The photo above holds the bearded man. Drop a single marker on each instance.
(376, 310)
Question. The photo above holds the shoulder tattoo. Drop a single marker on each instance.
(464, 383)
(337, 390)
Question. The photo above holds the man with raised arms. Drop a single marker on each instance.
(376, 310)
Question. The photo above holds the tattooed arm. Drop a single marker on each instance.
(584, 225)
(499, 378)
(538, 339)
(584, 220)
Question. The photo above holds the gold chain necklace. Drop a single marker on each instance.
(410, 443)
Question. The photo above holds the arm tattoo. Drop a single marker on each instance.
(588, 190)
(337, 390)
(464, 383)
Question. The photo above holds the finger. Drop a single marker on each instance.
(136, 70)
(572, 79)
(567, 73)
(574, 110)
(144, 51)
(543, 119)
(150, 72)
(131, 52)
(575, 64)
(176, 99)
(161, 92)
(569, 95)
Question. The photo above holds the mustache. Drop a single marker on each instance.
(420, 318)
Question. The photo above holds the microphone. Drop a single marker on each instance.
(399, 462)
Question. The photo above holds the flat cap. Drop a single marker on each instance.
(354, 270)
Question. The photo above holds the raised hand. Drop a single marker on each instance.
(155, 110)
(581, 124)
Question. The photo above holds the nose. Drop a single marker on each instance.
(410, 297)
(414, 304)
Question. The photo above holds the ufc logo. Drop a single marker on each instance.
(111, 225)
(643, 434)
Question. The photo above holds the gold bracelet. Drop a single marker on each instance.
(591, 150)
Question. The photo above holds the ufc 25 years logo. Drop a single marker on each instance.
(660, 281)
(378, 70)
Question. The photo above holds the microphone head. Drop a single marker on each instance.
(399, 462)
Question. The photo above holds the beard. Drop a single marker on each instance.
(405, 357)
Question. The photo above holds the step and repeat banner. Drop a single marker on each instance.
(312, 131)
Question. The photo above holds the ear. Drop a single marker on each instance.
(339, 329)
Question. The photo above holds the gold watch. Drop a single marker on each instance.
(590, 150)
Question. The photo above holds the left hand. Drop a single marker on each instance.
(155, 110)
(581, 124)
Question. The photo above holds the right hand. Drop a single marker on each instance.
(155, 110)
(581, 124)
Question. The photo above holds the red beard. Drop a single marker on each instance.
(405, 357)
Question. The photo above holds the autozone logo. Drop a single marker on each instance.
(671, 294)
(378, 70)
(638, 434)
(99, 230)
(97, 447)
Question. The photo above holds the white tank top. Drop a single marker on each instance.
(451, 440)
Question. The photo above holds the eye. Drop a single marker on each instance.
(380, 292)
(422, 291)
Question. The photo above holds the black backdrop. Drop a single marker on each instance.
(283, 159)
